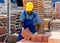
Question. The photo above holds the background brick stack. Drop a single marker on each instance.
(4, 21)
(2, 31)
(15, 22)
(57, 7)
(55, 14)
(54, 38)
(41, 30)
(48, 8)
(15, 16)
(40, 10)
(55, 25)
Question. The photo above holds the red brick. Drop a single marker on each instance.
(26, 34)
(34, 37)
(40, 38)
(2, 31)
(45, 38)
(2, 38)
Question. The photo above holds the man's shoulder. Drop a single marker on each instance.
(34, 12)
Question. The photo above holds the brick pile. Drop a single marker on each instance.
(41, 30)
(34, 37)
(40, 10)
(55, 25)
(43, 38)
(55, 38)
(48, 9)
(2, 31)
(57, 7)
(15, 21)
(55, 14)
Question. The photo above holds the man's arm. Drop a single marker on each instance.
(22, 19)
(21, 23)
(37, 26)
(37, 22)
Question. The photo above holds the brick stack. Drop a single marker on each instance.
(40, 38)
(41, 30)
(48, 8)
(34, 37)
(55, 38)
(3, 27)
(40, 10)
(4, 21)
(57, 7)
(2, 31)
(55, 25)
(38, 7)
(43, 38)
(15, 22)
(55, 14)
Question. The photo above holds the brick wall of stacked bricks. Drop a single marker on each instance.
(48, 9)
(54, 37)
(15, 22)
(55, 25)
(35, 37)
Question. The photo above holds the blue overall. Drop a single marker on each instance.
(28, 23)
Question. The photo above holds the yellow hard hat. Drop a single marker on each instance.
(29, 6)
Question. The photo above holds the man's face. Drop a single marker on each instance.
(29, 12)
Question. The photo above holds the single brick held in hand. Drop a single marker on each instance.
(26, 34)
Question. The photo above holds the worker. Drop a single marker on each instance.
(29, 19)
